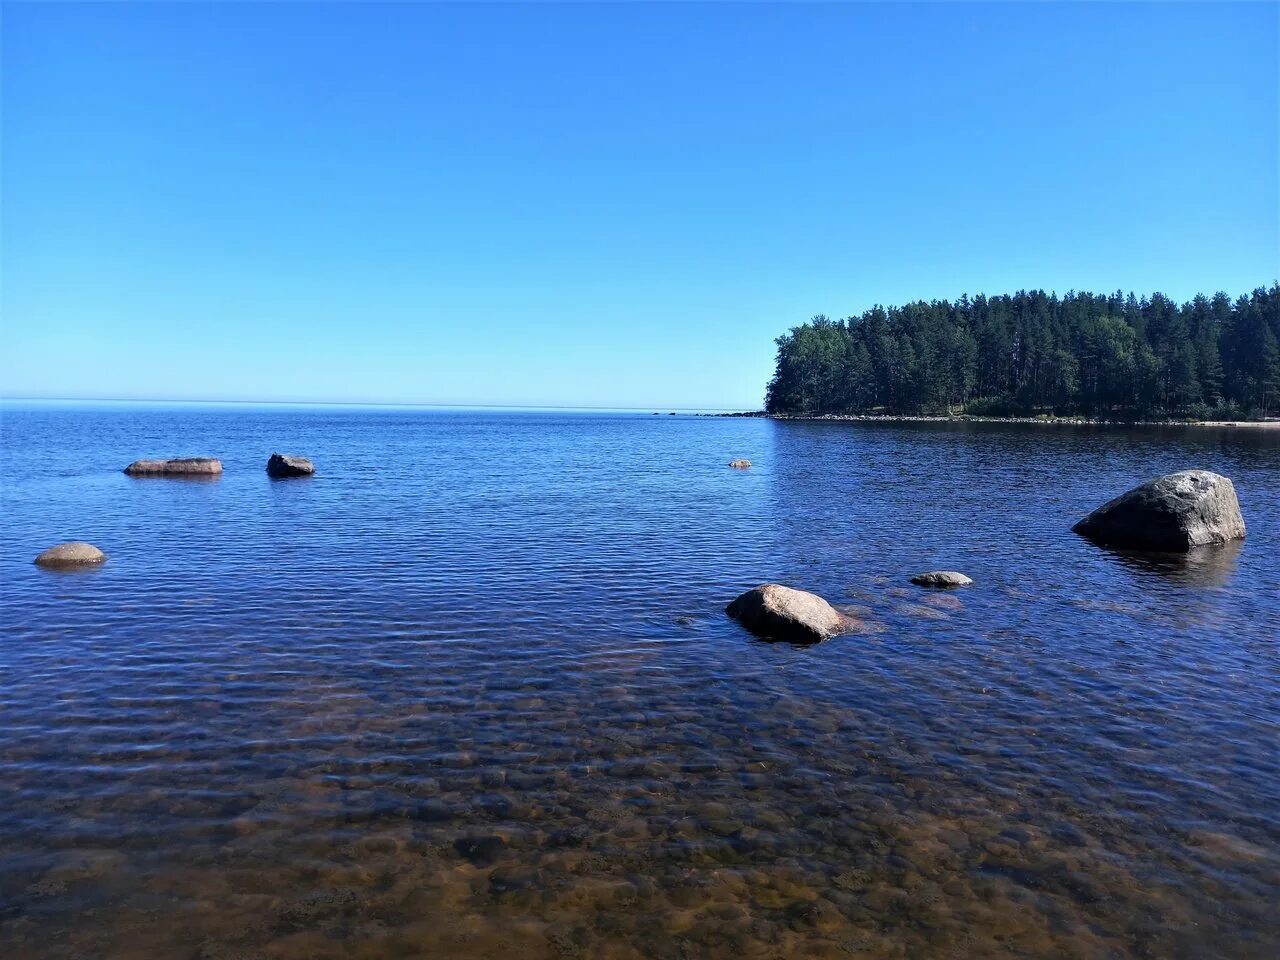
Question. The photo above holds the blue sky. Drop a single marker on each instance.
(601, 205)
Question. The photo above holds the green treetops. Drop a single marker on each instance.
(1112, 357)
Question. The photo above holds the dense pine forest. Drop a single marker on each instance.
(1111, 356)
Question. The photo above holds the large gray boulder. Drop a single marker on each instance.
(77, 553)
(1172, 513)
(177, 467)
(776, 612)
(287, 465)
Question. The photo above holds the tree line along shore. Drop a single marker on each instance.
(1029, 355)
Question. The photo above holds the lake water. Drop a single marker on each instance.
(470, 692)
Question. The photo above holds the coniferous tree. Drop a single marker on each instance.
(1113, 355)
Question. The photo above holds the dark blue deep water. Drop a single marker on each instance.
(470, 692)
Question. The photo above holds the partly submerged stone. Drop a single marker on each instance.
(177, 467)
(287, 465)
(776, 612)
(73, 554)
(740, 464)
(1171, 513)
(941, 578)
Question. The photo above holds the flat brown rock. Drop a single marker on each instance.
(177, 467)
(77, 553)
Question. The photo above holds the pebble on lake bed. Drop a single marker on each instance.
(287, 465)
(776, 612)
(740, 464)
(941, 578)
(176, 467)
(73, 554)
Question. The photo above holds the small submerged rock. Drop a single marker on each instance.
(287, 465)
(742, 464)
(176, 467)
(776, 612)
(1171, 513)
(481, 851)
(941, 578)
(74, 554)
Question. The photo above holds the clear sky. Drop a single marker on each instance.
(616, 205)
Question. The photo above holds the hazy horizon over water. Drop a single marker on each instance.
(471, 690)
(141, 402)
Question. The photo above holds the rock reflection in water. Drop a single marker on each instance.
(1209, 566)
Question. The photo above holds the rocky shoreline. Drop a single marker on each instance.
(1035, 421)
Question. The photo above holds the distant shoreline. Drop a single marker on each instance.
(1035, 421)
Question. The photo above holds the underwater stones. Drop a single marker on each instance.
(775, 612)
(514, 879)
(75, 866)
(572, 836)
(71, 555)
(481, 851)
(1171, 513)
(283, 465)
(176, 467)
(740, 464)
(497, 805)
(941, 578)
(432, 810)
(817, 914)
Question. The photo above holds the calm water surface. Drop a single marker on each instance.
(469, 692)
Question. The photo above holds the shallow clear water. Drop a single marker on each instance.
(470, 692)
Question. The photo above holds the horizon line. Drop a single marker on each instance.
(375, 403)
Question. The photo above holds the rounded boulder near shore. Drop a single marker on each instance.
(75, 553)
(775, 612)
(176, 467)
(1172, 513)
(281, 465)
(941, 578)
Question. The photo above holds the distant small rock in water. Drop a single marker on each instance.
(941, 578)
(73, 554)
(740, 464)
(287, 465)
(775, 612)
(1171, 513)
(177, 467)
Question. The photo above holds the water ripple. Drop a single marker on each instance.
(470, 692)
